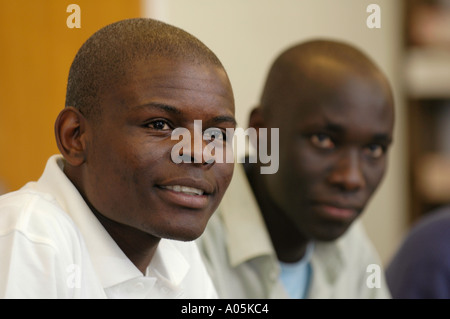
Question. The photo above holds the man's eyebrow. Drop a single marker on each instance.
(333, 127)
(223, 119)
(174, 110)
(163, 107)
(381, 137)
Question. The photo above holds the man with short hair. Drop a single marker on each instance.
(114, 216)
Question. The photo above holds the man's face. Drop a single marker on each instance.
(333, 144)
(130, 177)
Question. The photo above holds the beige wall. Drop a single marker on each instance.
(247, 35)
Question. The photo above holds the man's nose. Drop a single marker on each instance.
(347, 174)
(192, 150)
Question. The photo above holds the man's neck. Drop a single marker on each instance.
(290, 245)
(137, 245)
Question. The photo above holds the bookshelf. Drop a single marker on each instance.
(427, 88)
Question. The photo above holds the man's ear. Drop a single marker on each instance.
(70, 129)
(256, 119)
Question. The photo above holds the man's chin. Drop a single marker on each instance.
(330, 233)
(184, 233)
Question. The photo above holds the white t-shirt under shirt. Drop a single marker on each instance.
(52, 246)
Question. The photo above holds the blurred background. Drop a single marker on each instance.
(412, 46)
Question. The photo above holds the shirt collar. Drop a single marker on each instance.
(329, 261)
(111, 264)
(246, 230)
(309, 252)
(168, 264)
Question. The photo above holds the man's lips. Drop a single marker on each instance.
(188, 193)
(337, 211)
(187, 185)
(184, 189)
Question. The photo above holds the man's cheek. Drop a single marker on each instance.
(223, 180)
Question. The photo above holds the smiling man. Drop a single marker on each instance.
(114, 216)
(296, 233)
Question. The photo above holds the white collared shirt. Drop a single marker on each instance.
(242, 262)
(52, 246)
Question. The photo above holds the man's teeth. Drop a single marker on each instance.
(185, 189)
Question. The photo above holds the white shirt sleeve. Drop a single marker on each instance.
(42, 255)
(29, 269)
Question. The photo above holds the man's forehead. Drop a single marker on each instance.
(167, 73)
(164, 78)
(348, 120)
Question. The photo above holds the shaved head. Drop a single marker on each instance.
(299, 69)
(109, 57)
(335, 113)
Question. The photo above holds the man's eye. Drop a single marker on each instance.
(322, 141)
(375, 150)
(211, 134)
(159, 125)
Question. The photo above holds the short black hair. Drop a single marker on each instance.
(103, 60)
